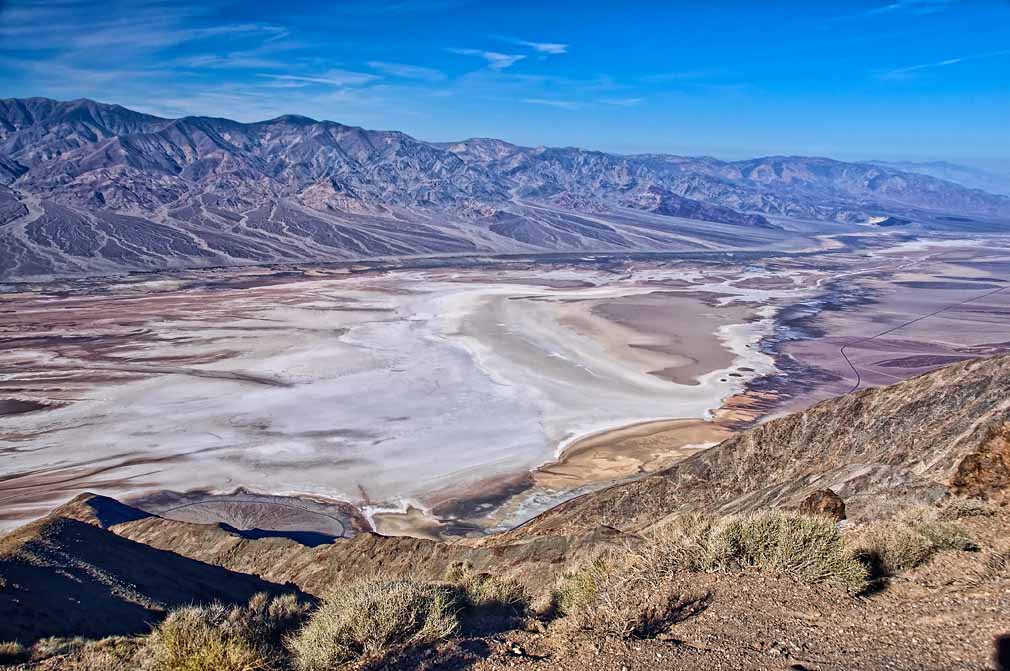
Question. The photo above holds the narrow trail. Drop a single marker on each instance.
(859, 378)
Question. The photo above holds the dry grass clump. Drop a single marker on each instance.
(200, 639)
(484, 591)
(12, 652)
(629, 593)
(267, 621)
(890, 547)
(605, 597)
(52, 646)
(115, 653)
(956, 508)
(219, 638)
(806, 547)
(370, 618)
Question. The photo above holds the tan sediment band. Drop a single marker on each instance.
(627, 451)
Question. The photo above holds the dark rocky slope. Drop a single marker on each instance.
(64, 577)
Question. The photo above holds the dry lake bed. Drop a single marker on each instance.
(449, 400)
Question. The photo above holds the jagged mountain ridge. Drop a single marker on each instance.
(88, 188)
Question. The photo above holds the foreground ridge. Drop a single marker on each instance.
(922, 467)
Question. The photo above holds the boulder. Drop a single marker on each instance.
(824, 502)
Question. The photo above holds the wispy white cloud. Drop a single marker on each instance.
(545, 47)
(495, 60)
(548, 102)
(623, 102)
(914, 7)
(406, 71)
(335, 77)
(680, 76)
(910, 70)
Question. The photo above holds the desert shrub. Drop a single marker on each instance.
(995, 565)
(266, 620)
(688, 542)
(371, 618)
(108, 654)
(806, 547)
(611, 596)
(203, 639)
(52, 646)
(909, 540)
(580, 588)
(13, 652)
(628, 592)
(481, 591)
(888, 548)
(957, 508)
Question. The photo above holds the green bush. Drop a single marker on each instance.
(580, 588)
(371, 618)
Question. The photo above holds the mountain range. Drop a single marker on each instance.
(91, 188)
(965, 175)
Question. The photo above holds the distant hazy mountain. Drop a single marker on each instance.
(88, 188)
(975, 178)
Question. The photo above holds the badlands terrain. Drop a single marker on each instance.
(445, 399)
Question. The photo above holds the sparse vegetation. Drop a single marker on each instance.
(995, 565)
(200, 639)
(51, 646)
(12, 652)
(370, 618)
(108, 654)
(480, 591)
(806, 547)
(957, 508)
(610, 598)
(244, 638)
(629, 593)
(890, 547)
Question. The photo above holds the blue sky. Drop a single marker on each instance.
(892, 79)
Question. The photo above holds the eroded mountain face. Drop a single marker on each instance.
(88, 188)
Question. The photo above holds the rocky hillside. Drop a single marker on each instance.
(90, 188)
(943, 433)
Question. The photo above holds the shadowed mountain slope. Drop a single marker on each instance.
(64, 577)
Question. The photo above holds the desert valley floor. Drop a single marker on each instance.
(458, 396)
